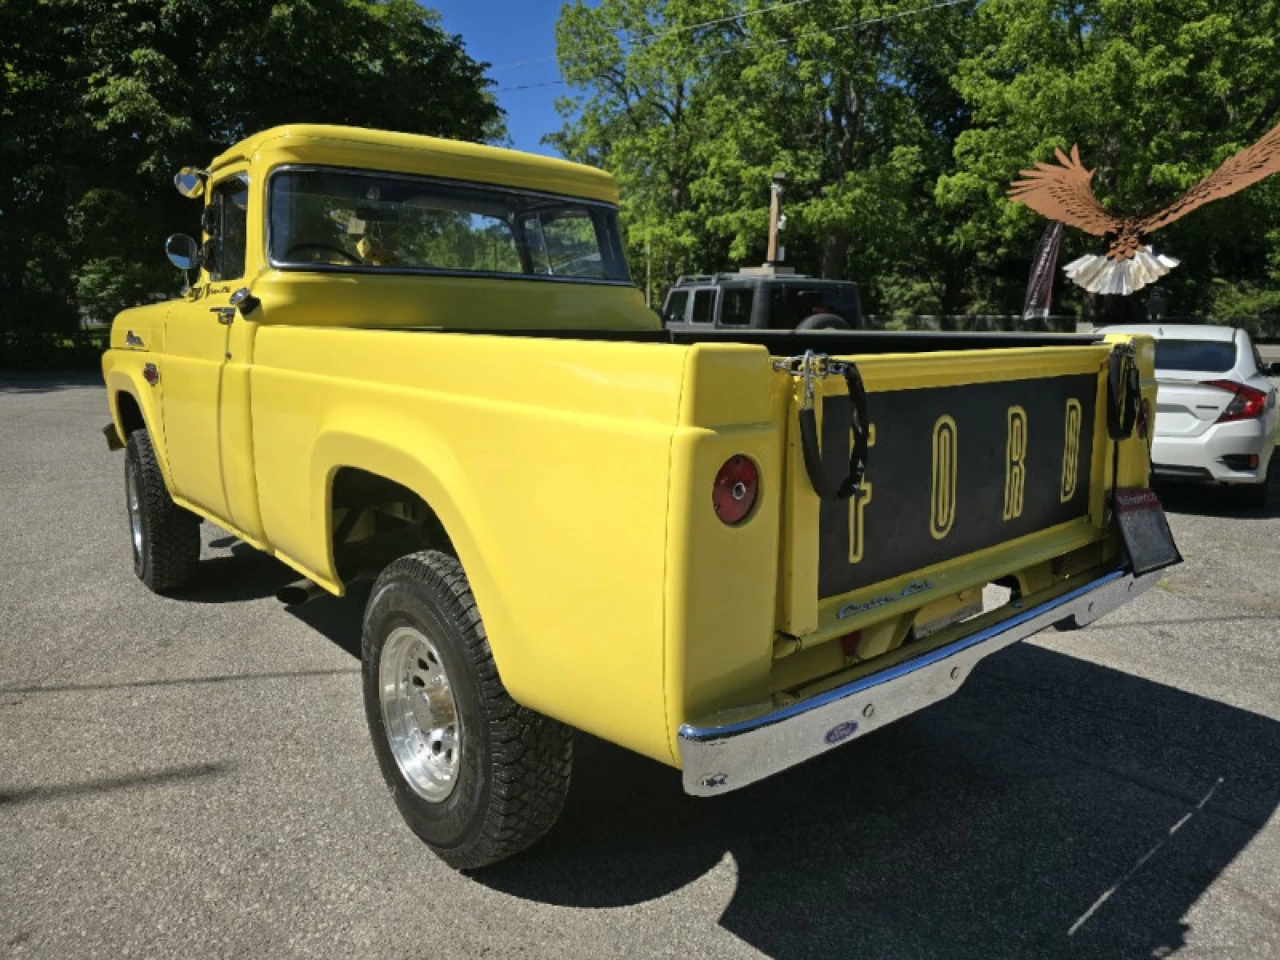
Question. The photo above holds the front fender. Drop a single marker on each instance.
(122, 373)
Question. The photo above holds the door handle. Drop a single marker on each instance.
(225, 314)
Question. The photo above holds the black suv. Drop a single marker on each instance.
(764, 300)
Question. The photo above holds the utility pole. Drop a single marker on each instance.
(648, 271)
(775, 214)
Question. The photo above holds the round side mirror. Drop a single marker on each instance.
(190, 182)
(182, 252)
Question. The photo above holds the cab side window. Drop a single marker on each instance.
(226, 221)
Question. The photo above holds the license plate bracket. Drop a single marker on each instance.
(1145, 530)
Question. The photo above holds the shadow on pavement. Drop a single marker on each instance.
(1052, 807)
(18, 381)
(106, 784)
(341, 619)
(247, 574)
(171, 682)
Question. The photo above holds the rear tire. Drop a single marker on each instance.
(165, 538)
(474, 774)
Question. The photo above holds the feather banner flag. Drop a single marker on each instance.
(1040, 285)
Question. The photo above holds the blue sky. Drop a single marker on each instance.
(505, 32)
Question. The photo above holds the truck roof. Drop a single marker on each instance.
(362, 148)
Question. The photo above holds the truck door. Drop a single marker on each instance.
(196, 342)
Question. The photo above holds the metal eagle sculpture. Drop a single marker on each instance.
(1063, 193)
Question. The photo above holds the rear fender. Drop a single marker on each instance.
(404, 452)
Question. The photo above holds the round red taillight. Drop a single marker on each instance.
(736, 486)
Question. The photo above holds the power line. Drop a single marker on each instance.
(531, 86)
(852, 25)
(866, 23)
(663, 33)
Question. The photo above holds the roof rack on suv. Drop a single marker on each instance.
(766, 272)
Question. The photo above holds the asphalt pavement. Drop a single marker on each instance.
(191, 777)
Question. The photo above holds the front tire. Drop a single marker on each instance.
(474, 774)
(165, 538)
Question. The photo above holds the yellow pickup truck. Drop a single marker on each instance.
(424, 362)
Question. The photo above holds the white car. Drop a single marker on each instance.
(1215, 406)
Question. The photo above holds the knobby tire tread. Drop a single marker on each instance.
(531, 754)
(171, 534)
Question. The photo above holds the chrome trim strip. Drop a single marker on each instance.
(719, 757)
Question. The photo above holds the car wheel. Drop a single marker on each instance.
(164, 537)
(474, 774)
(823, 321)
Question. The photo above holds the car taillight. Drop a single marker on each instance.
(735, 489)
(1245, 405)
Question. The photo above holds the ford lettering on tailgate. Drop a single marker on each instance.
(953, 470)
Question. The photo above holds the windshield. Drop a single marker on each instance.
(357, 221)
(1205, 356)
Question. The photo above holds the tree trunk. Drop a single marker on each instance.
(835, 254)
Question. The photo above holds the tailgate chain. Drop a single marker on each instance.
(818, 365)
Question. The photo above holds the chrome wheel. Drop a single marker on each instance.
(135, 510)
(421, 718)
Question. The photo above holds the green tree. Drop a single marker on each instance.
(641, 116)
(901, 124)
(101, 101)
(1156, 94)
(843, 97)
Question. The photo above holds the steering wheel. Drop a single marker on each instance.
(327, 247)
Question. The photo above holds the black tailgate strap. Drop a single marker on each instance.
(808, 367)
(1124, 391)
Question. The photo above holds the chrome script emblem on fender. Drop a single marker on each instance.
(131, 339)
(917, 586)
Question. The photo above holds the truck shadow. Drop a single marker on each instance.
(242, 574)
(1052, 807)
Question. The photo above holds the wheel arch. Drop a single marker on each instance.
(416, 462)
(133, 404)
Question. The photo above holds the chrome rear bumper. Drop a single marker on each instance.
(717, 758)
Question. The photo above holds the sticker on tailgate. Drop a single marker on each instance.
(953, 470)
